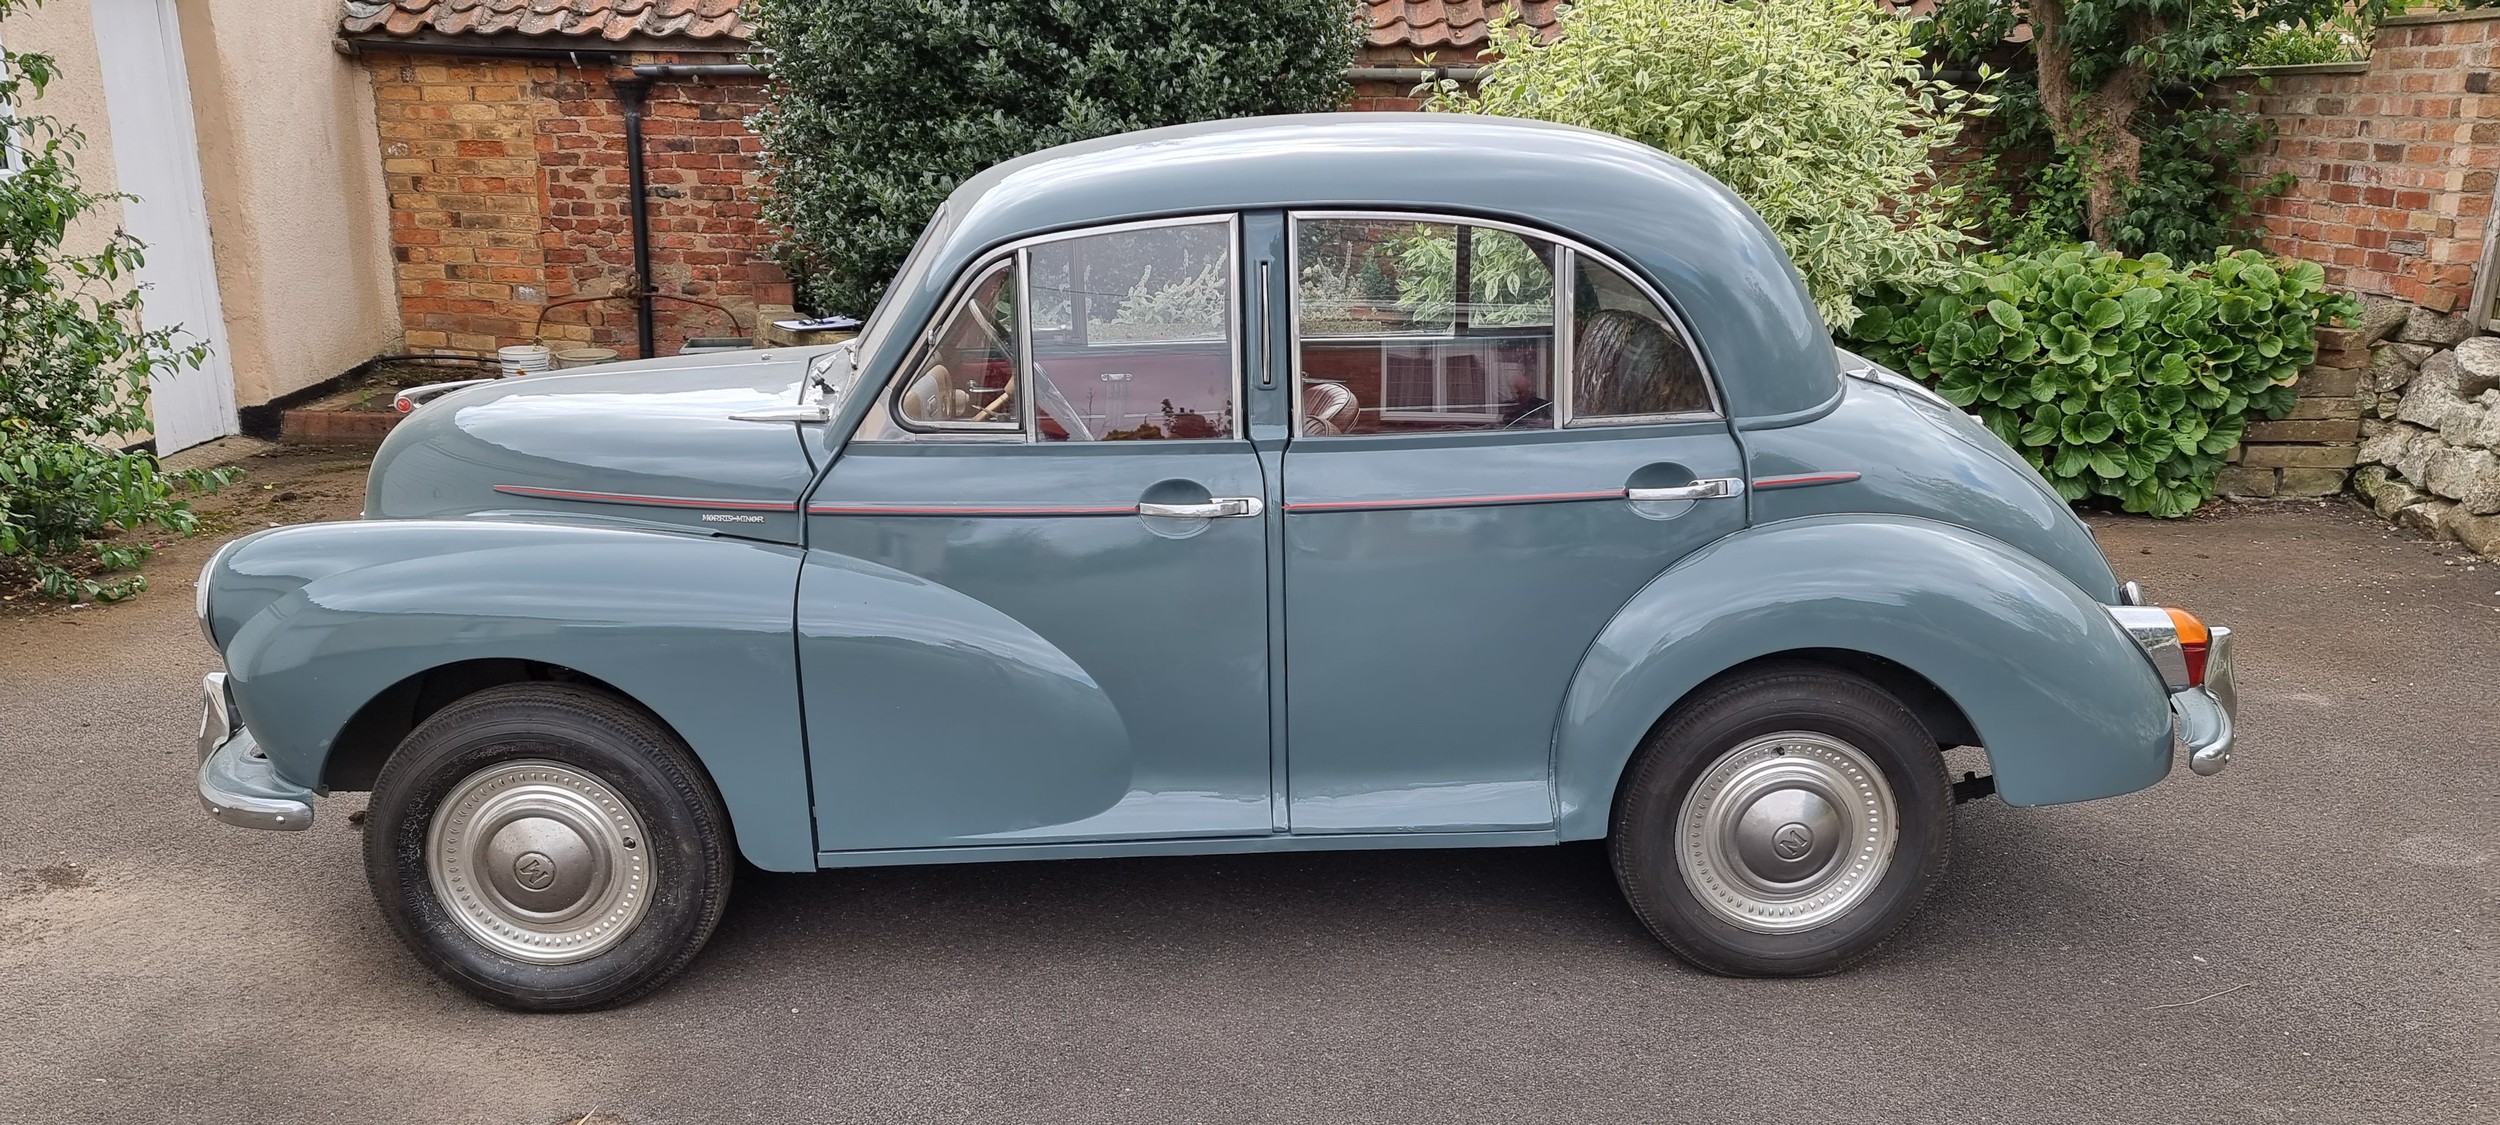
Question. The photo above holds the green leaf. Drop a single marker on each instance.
(2103, 313)
(2005, 314)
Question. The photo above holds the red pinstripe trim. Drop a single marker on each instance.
(961, 510)
(660, 501)
(1804, 479)
(1451, 501)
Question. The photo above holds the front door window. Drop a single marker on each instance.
(1132, 334)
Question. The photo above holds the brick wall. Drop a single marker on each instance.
(2394, 158)
(508, 198)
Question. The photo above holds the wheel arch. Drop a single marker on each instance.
(1985, 645)
(369, 736)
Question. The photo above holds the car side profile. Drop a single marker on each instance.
(1329, 482)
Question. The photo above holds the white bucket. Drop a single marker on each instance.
(584, 357)
(523, 359)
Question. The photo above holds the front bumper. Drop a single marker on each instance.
(2205, 713)
(238, 784)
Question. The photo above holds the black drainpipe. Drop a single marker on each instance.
(631, 93)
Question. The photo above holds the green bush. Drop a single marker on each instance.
(2120, 377)
(1817, 112)
(880, 107)
(74, 370)
(2343, 39)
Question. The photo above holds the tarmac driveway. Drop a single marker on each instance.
(2312, 936)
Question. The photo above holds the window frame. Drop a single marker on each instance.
(1027, 432)
(1567, 252)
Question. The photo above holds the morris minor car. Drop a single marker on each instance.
(1352, 481)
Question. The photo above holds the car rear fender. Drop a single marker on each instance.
(2068, 708)
(317, 620)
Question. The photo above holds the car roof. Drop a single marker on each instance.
(1689, 236)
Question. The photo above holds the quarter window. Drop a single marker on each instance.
(1628, 359)
(965, 376)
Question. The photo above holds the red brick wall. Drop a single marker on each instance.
(2394, 160)
(508, 198)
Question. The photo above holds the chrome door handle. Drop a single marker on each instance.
(1221, 507)
(1708, 488)
(807, 413)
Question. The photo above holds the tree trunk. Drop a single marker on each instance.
(2095, 127)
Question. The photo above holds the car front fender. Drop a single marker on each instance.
(2067, 706)
(317, 620)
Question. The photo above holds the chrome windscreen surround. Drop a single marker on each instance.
(2158, 636)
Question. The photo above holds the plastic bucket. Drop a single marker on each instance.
(523, 359)
(584, 357)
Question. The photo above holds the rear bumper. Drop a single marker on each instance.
(238, 784)
(2206, 714)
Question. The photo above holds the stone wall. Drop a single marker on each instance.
(2394, 162)
(2431, 460)
(2311, 451)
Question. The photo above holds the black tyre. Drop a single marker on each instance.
(1784, 823)
(548, 848)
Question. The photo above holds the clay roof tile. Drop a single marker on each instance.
(613, 20)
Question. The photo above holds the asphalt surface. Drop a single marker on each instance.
(2312, 937)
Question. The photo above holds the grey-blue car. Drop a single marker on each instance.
(1350, 481)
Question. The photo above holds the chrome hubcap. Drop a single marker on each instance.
(539, 861)
(1786, 832)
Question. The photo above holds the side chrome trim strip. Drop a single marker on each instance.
(1802, 480)
(965, 510)
(657, 501)
(1450, 501)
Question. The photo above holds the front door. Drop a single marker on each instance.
(1459, 521)
(1034, 607)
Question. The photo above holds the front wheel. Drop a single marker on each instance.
(548, 848)
(1782, 824)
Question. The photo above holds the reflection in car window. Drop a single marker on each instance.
(965, 376)
(1386, 344)
(1132, 334)
(1628, 359)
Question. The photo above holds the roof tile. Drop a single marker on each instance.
(1431, 25)
(612, 20)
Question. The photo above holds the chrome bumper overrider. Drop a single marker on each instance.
(2205, 713)
(237, 784)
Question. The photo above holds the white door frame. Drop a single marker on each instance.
(156, 157)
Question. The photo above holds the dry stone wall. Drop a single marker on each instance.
(2430, 451)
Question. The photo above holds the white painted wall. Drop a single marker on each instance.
(285, 151)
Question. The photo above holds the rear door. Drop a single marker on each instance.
(1459, 518)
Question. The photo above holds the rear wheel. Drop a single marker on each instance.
(548, 848)
(1782, 824)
